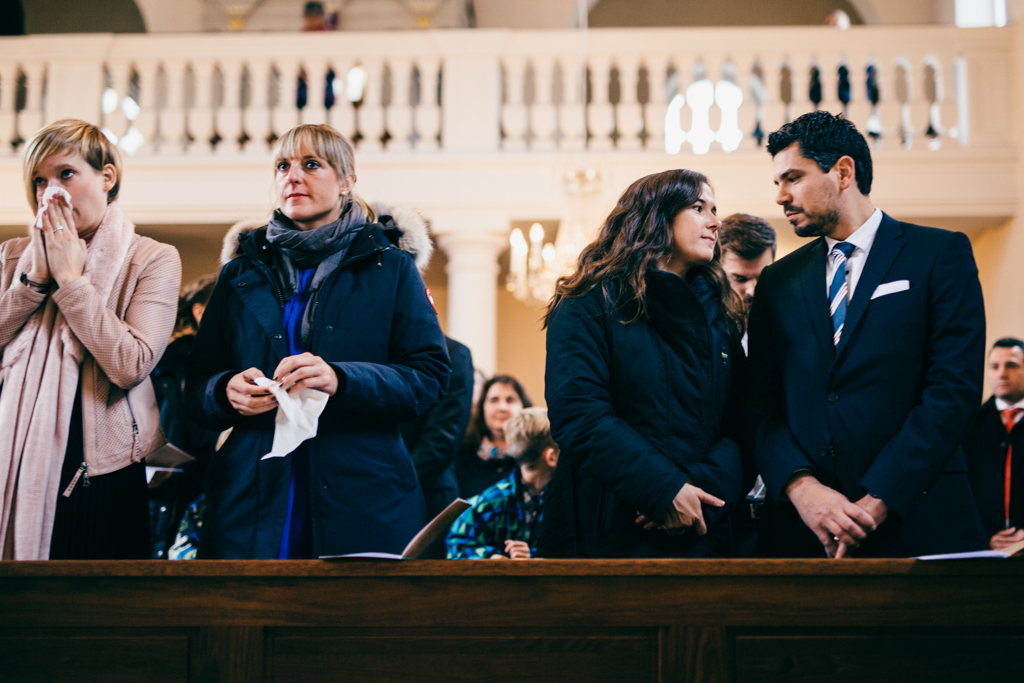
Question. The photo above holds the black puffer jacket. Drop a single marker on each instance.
(638, 410)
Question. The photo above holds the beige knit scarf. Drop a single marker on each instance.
(40, 371)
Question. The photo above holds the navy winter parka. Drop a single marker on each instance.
(373, 322)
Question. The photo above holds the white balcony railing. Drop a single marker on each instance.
(702, 90)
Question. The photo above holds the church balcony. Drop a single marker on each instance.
(458, 122)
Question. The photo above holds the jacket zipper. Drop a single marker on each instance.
(83, 474)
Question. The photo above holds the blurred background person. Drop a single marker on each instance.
(995, 447)
(434, 439)
(321, 299)
(171, 493)
(505, 520)
(483, 459)
(748, 246)
(86, 309)
(642, 381)
(313, 17)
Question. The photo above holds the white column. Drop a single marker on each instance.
(473, 286)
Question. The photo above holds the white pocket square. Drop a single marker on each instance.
(890, 288)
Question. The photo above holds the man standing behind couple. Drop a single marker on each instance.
(867, 351)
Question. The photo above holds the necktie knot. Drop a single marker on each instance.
(1010, 417)
(844, 248)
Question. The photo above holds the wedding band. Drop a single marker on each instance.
(58, 228)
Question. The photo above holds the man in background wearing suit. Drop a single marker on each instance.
(867, 351)
(995, 447)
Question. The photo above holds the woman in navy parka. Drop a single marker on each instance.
(322, 298)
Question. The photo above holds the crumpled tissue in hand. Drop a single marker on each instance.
(297, 416)
(49, 194)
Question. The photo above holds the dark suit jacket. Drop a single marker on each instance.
(884, 411)
(985, 447)
(434, 439)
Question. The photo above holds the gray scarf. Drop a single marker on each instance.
(296, 250)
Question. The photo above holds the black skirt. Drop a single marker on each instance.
(107, 520)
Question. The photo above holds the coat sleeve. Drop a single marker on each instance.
(471, 538)
(952, 384)
(17, 302)
(779, 456)
(128, 350)
(211, 363)
(445, 426)
(583, 420)
(416, 377)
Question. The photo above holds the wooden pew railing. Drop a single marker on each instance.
(870, 621)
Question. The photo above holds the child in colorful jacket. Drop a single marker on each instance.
(503, 522)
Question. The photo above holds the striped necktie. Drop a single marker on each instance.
(838, 289)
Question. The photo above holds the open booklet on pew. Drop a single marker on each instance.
(437, 528)
(1015, 550)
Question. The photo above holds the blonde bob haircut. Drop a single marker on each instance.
(70, 135)
(324, 142)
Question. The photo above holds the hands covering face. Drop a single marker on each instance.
(58, 251)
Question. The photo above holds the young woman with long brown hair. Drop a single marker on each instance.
(642, 346)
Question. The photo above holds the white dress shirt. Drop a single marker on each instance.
(1002, 405)
(862, 238)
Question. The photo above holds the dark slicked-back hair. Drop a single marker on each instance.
(1008, 343)
(823, 139)
(746, 236)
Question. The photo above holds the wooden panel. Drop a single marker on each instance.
(506, 654)
(895, 658)
(57, 657)
(230, 654)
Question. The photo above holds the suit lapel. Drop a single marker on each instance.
(812, 282)
(883, 252)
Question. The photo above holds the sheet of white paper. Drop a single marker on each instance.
(49, 194)
(965, 556)
(297, 416)
(151, 471)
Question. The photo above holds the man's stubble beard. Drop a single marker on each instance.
(824, 224)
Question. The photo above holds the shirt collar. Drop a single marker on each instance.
(864, 236)
(1002, 405)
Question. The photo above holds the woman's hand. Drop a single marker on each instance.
(65, 251)
(685, 511)
(40, 271)
(306, 371)
(247, 398)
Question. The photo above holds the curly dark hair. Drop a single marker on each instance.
(824, 139)
(637, 237)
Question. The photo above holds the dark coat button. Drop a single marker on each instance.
(330, 328)
(277, 336)
(833, 397)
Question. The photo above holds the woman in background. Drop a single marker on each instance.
(483, 461)
(86, 309)
(170, 495)
(643, 342)
(320, 298)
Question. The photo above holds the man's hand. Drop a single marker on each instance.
(838, 523)
(1006, 537)
(685, 511)
(517, 550)
(247, 398)
(306, 371)
(875, 507)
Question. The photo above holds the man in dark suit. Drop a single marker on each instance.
(867, 350)
(995, 447)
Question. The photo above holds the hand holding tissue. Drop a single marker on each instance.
(48, 195)
(297, 417)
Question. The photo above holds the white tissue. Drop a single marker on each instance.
(297, 416)
(49, 194)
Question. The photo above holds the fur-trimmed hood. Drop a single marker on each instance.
(415, 232)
